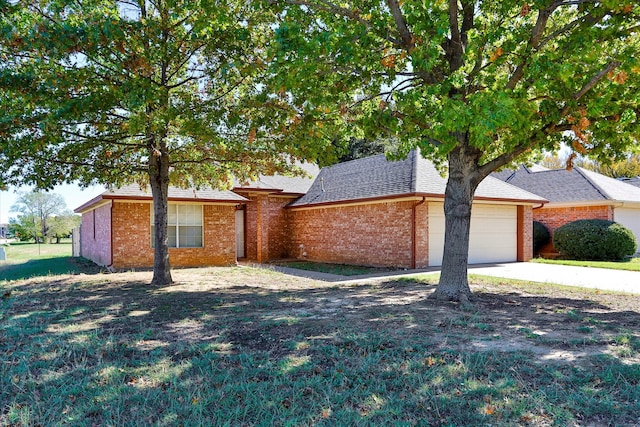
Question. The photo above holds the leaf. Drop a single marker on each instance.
(620, 78)
(389, 61)
(497, 53)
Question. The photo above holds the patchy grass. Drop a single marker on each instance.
(25, 260)
(632, 264)
(242, 346)
(337, 269)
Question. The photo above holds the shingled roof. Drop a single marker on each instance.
(378, 178)
(575, 185)
(134, 192)
(297, 185)
(633, 181)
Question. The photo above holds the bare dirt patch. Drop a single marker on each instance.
(264, 310)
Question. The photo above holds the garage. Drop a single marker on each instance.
(493, 236)
(630, 218)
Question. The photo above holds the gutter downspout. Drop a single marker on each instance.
(413, 232)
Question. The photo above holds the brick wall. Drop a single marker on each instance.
(95, 235)
(132, 238)
(268, 229)
(374, 234)
(556, 217)
(525, 230)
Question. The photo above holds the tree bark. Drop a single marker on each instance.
(461, 186)
(159, 181)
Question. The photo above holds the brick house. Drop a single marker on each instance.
(376, 212)
(116, 229)
(368, 212)
(578, 194)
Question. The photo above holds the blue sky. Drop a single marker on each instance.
(73, 195)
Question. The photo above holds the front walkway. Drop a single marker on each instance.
(586, 277)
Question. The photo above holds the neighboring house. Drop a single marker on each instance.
(579, 194)
(117, 227)
(369, 212)
(633, 181)
(4, 231)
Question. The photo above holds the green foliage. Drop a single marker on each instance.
(623, 166)
(24, 227)
(522, 77)
(476, 85)
(358, 148)
(159, 93)
(594, 239)
(61, 225)
(37, 208)
(541, 236)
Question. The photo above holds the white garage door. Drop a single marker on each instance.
(630, 218)
(493, 235)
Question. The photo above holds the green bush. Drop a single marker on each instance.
(594, 239)
(541, 236)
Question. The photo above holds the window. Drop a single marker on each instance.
(184, 226)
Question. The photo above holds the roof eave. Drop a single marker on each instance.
(416, 195)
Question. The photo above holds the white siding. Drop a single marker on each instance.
(630, 218)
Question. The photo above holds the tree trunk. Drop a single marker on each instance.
(159, 180)
(461, 186)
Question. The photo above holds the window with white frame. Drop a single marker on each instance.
(184, 226)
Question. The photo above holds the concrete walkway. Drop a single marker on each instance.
(586, 277)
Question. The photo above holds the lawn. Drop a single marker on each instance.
(632, 264)
(337, 269)
(26, 260)
(243, 346)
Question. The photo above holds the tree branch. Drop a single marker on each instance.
(401, 24)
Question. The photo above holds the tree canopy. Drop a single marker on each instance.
(37, 208)
(475, 84)
(157, 92)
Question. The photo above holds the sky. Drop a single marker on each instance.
(73, 195)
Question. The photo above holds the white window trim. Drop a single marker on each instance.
(177, 225)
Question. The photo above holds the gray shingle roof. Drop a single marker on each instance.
(377, 178)
(576, 185)
(633, 181)
(285, 184)
(134, 192)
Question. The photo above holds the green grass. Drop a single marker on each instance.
(632, 264)
(26, 260)
(104, 350)
(338, 269)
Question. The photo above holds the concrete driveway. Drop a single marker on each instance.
(586, 277)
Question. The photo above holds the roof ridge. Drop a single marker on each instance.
(593, 184)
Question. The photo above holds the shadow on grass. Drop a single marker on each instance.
(100, 352)
(45, 267)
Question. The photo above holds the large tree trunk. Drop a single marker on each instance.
(159, 180)
(461, 186)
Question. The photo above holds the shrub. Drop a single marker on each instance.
(594, 239)
(541, 236)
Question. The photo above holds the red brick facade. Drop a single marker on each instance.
(390, 234)
(95, 235)
(554, 217)
(378, 234)
(267, 227)
(130, 237)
